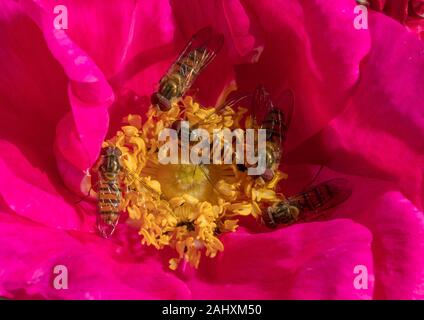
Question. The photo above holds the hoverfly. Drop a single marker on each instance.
(308, 204)
(110, 191)
(109, 195)
(197, 54)
(275, 122)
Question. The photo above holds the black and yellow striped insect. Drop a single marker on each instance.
(309, 204)
(197, 54)
(109, 193)
(275, 121)
(110, 189)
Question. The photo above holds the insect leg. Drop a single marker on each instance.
(86, 196)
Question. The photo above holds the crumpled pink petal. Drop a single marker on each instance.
(40, 89)
(396, 224)
(32, 100)
(231, 19)
(89, 93)
(408, 12)
(376, 135)
(29, 192)
(92, 271)
(416, 25)
(295, 57)
(306, 261)
(105, 31)
(397, 9)
(358, 112)
(399, 269)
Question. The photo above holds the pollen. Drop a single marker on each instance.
(186, 207)
(178, 179)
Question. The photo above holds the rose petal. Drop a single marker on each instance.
(33, 193)
(295, 57)
(304, 261)
(398, 9)
(32, 100)
(376, 136)
(228, 18)
(398, 231)
(398, 234)
(89, 93)
(397, 228)
(103, 30)
(31, 252)
(311, 260)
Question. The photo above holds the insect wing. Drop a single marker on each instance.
(109, 209)
(198, 53)
(285, 105)
(323, 196)
(261, 105)
(206, 38)
(104, 227)
(231, 102)
(275, 117)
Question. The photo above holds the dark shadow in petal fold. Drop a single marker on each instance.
(140, 62)
(33, 93)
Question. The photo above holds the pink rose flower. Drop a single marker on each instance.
(359, 112)
(408, 12)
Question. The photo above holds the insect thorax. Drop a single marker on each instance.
(272, 154)
(110, 176)
(170, 86)
(284, 213)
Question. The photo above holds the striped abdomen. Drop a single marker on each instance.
(275, 127)
(309, 204)
(109, 201)
(323, 196)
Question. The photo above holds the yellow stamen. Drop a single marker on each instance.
(186, 206)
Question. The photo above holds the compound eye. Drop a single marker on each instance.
(269, 159)
(154, 99)
(118, 152)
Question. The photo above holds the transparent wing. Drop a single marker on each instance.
(233, 101)
(321, 197)
(285, 104)
(135, 178)
(275, 116)
(261, 105)
(198, 53)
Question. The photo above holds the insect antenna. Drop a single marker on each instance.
(145, 185)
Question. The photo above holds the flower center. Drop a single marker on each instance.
(185, 206)
(179, 179)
